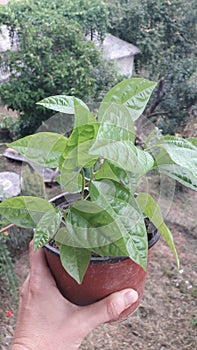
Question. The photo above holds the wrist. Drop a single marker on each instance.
(20, 345)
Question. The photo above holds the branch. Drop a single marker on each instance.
(159, 98)
(6, 228)
(157, 113)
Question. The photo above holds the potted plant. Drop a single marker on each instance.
(104, 227)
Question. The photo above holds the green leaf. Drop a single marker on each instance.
(180, 174)
(43, 148)
(25, 211)
(118, 122)
(46, 228)
(114, 142)
(75, 261)
(123, 208)
(150, 208)
(76, 156)
(133, 93)
(82, 114)
(69, 105)
(106, 172)
(116, 248)
(163, 158)
(193, 140)
(62, 103)
(178, 159)
(88, 226)
(110, 171)
(121, 152)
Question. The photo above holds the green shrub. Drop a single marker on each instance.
(52, 58)
(55, 62)
(8, 279)
(166, 36)
(106, 76)
(13, 241)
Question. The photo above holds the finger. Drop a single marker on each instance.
(38, 267)
(24, 291)
(41, 278)
(108, 309)
(25, 287)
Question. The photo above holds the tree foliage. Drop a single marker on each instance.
(52, 57)
(165, 32)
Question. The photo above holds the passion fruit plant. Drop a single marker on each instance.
(101, 161)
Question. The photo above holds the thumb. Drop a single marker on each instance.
(109, 308)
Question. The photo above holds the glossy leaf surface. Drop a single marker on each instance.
(152, 211)
(181, 151)
(62, 103)
(75, 261)
(25, 211)
(118, 121)
(122, 207)
(133, 93)
(43, 148)
(46, 228)
(115, 142)
(121, 152)
(178, 159)
(76, 156)
(88, 226)
(110, 171)
(183, 175)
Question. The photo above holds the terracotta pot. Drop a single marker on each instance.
(103, 277)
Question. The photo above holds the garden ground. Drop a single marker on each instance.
(166, 319)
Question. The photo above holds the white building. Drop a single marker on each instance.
(120, 51)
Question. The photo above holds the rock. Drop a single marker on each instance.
(9, 185)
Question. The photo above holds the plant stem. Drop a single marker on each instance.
(88, 195)
(83, 183)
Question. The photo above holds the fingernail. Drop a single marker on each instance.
(130, 298)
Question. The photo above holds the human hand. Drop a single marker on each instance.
(47, 321)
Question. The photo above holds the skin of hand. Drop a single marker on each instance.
(47, 321)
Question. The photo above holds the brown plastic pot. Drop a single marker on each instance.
(104, 276)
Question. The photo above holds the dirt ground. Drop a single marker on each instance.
(167, 317)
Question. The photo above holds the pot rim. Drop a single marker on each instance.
(107, 259)
(70, 198)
